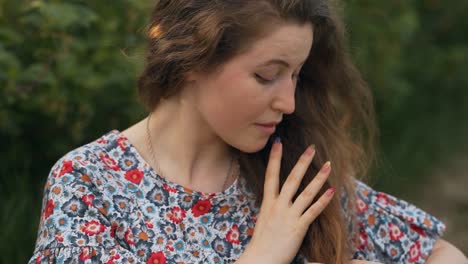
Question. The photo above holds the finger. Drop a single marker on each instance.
(295, 177)
(271, 184)
(304, 200)
(309, 216)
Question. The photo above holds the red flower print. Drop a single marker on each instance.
(414, 252)
(84, 255)
(49, 208)
(201, 207)
(88, 199)
(59, 238)
(113, 229)
(361, 205)
(156, 258)
(233, 235)
(129, 237)
(395, 232)
(418, 229)
(382, 198)
(176, 215)
(92, 228)
(362, 240)
(149, 224)
(134, 176)
(122, 143)
(169, 189)
(170, 248)
(112, 258)
(109, 161)
(101, 141)
(66, 168)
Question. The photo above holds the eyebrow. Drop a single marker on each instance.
(278, 61)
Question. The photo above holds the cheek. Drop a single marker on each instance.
(234, 116)
(247, 101)
(232, 108)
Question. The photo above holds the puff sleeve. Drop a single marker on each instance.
(392, 230)
(76, 223)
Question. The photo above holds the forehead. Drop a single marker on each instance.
(290, 42)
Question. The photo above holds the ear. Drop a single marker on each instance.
(192, 76)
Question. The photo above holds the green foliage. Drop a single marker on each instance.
(65, 79)
(414, 55)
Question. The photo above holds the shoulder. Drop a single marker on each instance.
(391, 229)
(107, 159)
(103, 152)
(97, 174)
(80, 196)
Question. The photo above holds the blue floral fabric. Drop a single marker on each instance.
(392, 230)
(104, 204)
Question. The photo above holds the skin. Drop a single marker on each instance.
(193, 131)
(282, 224)
(221, 109)
(444, 252)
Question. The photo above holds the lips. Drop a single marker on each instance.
(269, 129)
(271, 124)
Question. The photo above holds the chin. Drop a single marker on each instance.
(252, 147)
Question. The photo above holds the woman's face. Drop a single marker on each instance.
(255, 87)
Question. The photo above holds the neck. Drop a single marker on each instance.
(186, 150)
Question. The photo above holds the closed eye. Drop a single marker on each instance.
(262, 80)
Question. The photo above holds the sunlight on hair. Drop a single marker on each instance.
(155, 31)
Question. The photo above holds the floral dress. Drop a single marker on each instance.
(104, 204)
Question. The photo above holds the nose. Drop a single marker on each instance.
(284, 100)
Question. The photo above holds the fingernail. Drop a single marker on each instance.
(277, 140)
(330, 191)
(326, 167)
(310, 149)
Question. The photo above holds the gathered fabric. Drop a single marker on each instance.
(103, 203)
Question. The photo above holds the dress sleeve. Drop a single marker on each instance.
(392, 230)
(74, 225)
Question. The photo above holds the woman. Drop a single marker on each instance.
(201, 180)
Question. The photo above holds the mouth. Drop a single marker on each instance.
(268, 129)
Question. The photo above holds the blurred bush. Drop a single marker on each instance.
(65, 79)
(414, 54)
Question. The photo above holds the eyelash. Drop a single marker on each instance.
(262, 80)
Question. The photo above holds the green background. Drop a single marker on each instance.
(68, 72)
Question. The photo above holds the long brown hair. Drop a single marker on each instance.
(334, 106)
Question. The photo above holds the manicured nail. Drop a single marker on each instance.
(330, 191)
(310, 149)
(277, 140)
(326, 167)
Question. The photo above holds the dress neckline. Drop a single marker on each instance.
(122, 139)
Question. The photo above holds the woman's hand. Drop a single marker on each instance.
(281, 224)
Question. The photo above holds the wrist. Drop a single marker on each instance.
(251, 256)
